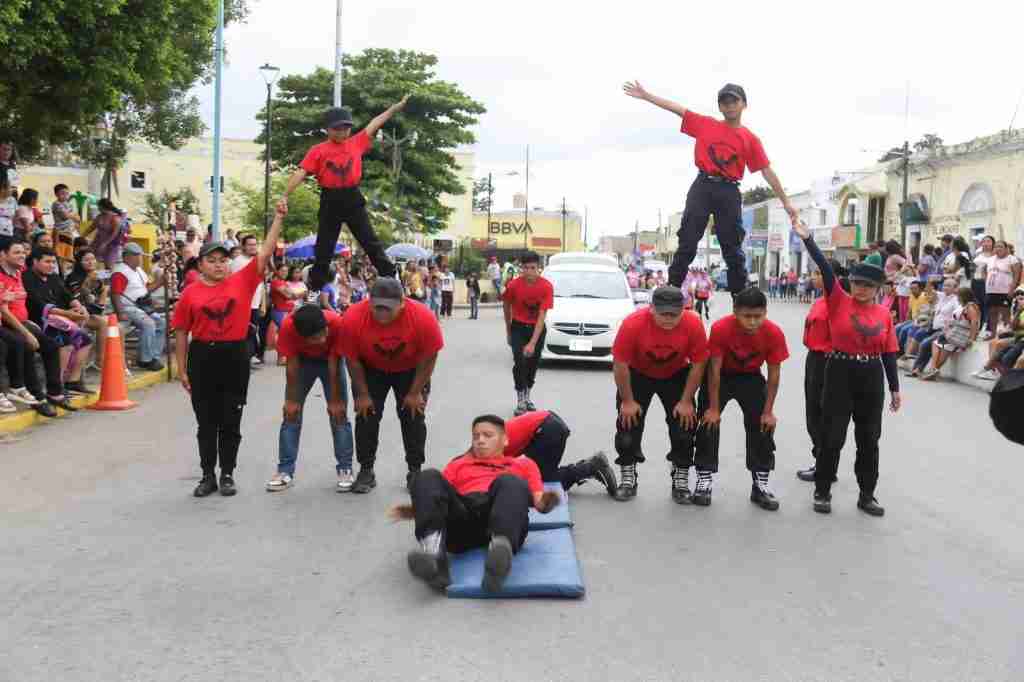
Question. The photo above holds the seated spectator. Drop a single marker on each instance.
(8, 205)
(131, 289)
(65, 225)
(190, 273)
(946, 305)
(921, 304)
(25, 217)
(79, 244)
(1005, 350)
(86, 287)
(42, 239)
(27, 337)
(61, 317)
(958, 334)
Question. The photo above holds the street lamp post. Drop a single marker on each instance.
(563, 224)
(269, 74)
(526, 208)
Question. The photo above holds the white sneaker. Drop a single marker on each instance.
(279, 482)
(345, 480)
(986, 375)
(255, 361)
(23, 396)
(6, 406)
(986, 335)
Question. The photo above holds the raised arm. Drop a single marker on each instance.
(828, 276)
(266, 251)
(373, 126)
(634, 89)
(773, 180)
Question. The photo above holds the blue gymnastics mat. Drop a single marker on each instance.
(546, 566)
(558, 517)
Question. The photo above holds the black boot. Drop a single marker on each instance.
(365, 480)
(429, 563)
(497, 564)
(806, 474)
(702, 493)
(227, 485)
(207, 486)
(602, 472)
(822, 502)
(869, 505)
(627, 487)
(681, 485)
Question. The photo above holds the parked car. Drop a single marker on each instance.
(592, 297)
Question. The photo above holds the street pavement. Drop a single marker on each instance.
(113, 571)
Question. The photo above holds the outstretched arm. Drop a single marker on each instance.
(773, 180)
(634, 89)
(828, 276)
(373, 126)
(266, 251)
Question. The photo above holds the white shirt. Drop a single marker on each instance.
(137, 281)
(945, 308)
(494, 271)
(981, 262)
(448, 281)
(7, 210)
(237, 264)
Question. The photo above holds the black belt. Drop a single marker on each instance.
(863, 357)
(717, 178)
(217, 344)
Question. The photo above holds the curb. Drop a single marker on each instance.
(28, 418)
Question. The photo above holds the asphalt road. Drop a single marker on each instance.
(112, 571)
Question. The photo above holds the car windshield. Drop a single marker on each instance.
(587, 284)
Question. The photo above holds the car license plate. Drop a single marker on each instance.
(581, 346)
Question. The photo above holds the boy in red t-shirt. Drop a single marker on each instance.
(542, 436)
(660, 350)
(337, 165)
(740, 344)
(313, 341)
(724, 149)
(527, 300)
(481, 499)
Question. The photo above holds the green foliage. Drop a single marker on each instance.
(438, 111)
(184, 199)
(110, 70)
(247, 203)
(469, 261)
(929, 142)
(483, 194)
(756, 195)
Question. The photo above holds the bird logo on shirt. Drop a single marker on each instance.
(867, 331)
(392, 353)
(532, 307)
(744, 359)
(219, 310)
(729, 156)
(659, 356)
(341, 172)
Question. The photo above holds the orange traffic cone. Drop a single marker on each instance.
(113, 390)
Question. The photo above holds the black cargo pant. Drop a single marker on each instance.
(751, 392)
(219, 375)
(669, 391)
(814, 380)
(722, 200)
(347, 206)
(852, 390)
(547, 447)
(471, 520)
(21, 366)
(524, 369)
(414, 428)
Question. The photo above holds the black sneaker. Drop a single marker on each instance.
(153, 365)
(207, 486)
(497, 564)
(806, 474)
(702, 497)
(78, 387)
(429, 563)
(63, 403)
(822, 503)
(227, 485)
(681, 486)
(45, 409)
(365, 481)
(627, 488)
(869, 505)
(410, 478)
(603, 472)
(763, 498)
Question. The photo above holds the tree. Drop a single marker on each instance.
(439, 112)
(756, 195)
(100, 73)
(156, 205)
(247, 205)
(482, 195)
(929, 142)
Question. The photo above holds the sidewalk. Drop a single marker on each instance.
(27, 418)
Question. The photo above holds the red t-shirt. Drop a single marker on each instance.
(858, 328)
(338, 164)
(656, 352)
(527, 300)
(290, 343)
(191, 276)
(19, 306)
(278, 299)
(722, 149)
(744, 353)
(469, 474)
(521, 430)
(816, 330)
(219, 312)
(396, 347)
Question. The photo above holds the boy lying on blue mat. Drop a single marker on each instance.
(481, 499)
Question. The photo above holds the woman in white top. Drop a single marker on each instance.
(958, 263)
(1003, 277)
(981, 259)
(8, 205)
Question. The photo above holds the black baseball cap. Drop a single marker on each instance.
(309, 320)
(208, 248)
(732, 90)
(868, 274)
(386, 293)
(338, 117)
(667, 300)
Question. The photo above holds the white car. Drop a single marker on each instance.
(592, 297)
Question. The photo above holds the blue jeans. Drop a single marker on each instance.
(151, 330)
(497, 287)
(924, 354)
(902, 332)
(474, 307)
(310, 370)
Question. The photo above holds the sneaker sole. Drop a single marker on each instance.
(764, 505)
(682, 499)
(230, 492)
(427, 568)
(343, 488)
(497, 566)
(823, 510)
(363, 489)
(701, 501)
(277, 488)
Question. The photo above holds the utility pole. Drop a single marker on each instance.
(526, 209)
(490, 199)
(906, 181)
(563, 224)
(586, 221)
(337, 57)
(217, 152)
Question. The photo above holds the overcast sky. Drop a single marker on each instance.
(825, 81)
